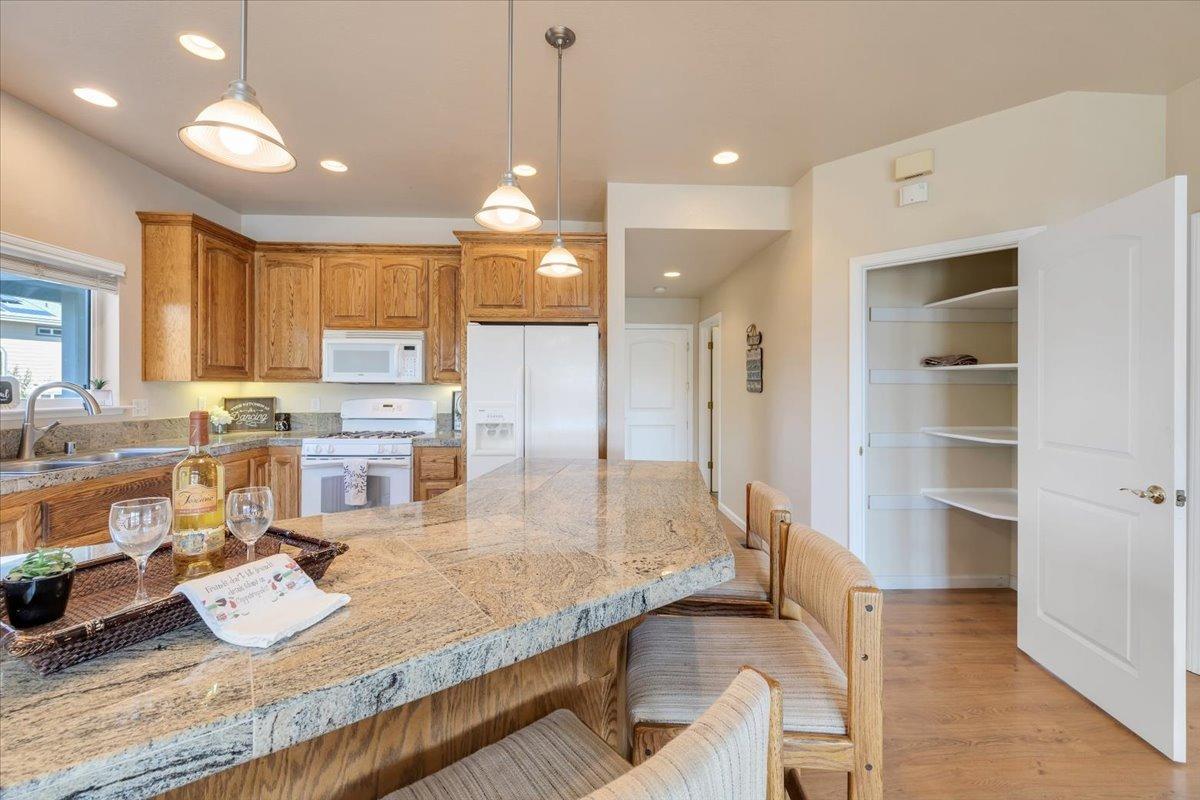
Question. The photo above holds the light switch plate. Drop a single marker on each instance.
(141, 407)
(914, 193)
(314, 404)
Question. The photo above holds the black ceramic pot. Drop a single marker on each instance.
(37, 601)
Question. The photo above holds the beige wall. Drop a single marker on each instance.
(766, 436)
(1183, 138)
(1035, 164)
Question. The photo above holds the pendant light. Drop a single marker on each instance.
(558, 262)
(507, 208)
(235, 132)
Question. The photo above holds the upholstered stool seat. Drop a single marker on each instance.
(752, 576)
(678, 667)
(555, 758)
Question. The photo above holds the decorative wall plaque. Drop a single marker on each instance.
(754, 360)
(251, 413)
(10, 391)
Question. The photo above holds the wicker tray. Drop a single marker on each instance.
(99, 620)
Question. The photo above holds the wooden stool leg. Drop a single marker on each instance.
(791, 782)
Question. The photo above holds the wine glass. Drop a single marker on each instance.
(138, 528)
(248, 513)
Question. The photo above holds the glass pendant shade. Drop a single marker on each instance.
(234, 131)
(558, 262)
(508, 209)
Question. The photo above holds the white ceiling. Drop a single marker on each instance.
(704, 257)
(411, 94)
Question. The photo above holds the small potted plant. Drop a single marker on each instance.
(36, 592)
(103, 396)
(219, 418)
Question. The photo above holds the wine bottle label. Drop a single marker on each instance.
(196, 499)
(198, 542)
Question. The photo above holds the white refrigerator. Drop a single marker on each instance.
(532, 391)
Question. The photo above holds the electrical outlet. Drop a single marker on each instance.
(141, 408)
(201, 403)
(314, 404)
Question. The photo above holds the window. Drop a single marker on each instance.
(45, 331)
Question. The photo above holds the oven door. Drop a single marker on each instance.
(322, 489)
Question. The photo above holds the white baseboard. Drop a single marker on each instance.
(945, 581)
(727, 511)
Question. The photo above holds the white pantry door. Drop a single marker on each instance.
(1102, 401)
(658, 393)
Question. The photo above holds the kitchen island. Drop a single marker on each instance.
(470, 615)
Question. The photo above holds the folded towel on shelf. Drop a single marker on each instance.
(354, 481)
(956, 360)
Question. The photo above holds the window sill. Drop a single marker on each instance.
(75, 411)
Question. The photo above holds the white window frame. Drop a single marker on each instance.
(20, 255)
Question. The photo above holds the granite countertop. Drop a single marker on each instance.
(221, 445)
(506, 566)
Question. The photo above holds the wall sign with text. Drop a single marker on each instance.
(251, 413)
(754, 360)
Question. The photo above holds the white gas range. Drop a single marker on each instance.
(377, 431)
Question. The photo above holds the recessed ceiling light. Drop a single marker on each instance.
(725, 157)
(525, 170)
(201, 46)
(671, 274)
(659, 289)
(96, 97)
(333, 166)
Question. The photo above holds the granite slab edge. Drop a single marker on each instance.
(147, 771)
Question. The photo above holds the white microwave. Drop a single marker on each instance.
(373, 357)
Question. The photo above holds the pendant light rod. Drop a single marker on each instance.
(558, 156)
(245, 25)
(510, 84)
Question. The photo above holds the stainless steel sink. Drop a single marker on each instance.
(55, 465)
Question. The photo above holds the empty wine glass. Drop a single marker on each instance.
(138, 527)
(248, 513)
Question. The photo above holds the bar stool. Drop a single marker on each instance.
(731, 753)
(832, 718)
(757, 558)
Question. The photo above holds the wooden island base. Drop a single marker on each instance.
(377, 755)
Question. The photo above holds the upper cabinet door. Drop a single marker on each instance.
(563, 298)
(224, 323)
(445, 326)
(288, 318)
(403, 292)
(499, 281)
(348, 291)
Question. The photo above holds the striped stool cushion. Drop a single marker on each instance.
(555, 758)
(752, 576)
(678, 667)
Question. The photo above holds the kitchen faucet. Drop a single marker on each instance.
(30, 433)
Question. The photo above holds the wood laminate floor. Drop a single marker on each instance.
(968, 716)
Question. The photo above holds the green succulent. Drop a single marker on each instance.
(98, 383)
(43, 562)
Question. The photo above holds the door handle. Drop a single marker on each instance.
(1154, 493)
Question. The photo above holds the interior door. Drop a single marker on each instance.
(658, 394)
(1102, 402)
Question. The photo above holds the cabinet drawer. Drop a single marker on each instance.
(78, 514)
(438, 463)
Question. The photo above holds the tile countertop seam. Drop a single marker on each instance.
(625, 537)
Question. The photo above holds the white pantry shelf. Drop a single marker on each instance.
(1000, 297)
(993, 503)
(977, 433)
(972, 367)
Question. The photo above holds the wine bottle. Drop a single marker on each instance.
(198, 489)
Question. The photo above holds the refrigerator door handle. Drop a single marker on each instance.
(526, 434)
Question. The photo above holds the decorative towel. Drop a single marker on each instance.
(354, 481)
(260, 603)
(957, 360)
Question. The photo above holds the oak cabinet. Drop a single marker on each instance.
(283, 476)
(499, 281)
(288, 304)
(436, 470)
(348, 288)
(445, 324)
(197, 300)
(20, 526)
(576, 296)
(403, 293)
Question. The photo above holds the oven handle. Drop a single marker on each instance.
(311, 461)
